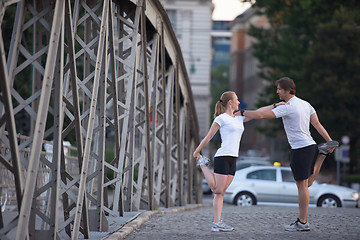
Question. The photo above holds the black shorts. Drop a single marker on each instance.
(225, 165)
(302, 161)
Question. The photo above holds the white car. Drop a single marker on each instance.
(277, 185)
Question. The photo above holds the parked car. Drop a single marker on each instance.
(276, 184)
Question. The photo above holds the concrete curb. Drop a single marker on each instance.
(142, 217)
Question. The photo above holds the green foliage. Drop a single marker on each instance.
(315, 42)
(333, 72)
(219, 84)
(354, 178)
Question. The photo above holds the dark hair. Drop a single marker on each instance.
(221, 103)
(287, 84)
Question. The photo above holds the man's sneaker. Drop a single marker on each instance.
(297, 226)
(202, 161)
(323, 147)
(220, 226)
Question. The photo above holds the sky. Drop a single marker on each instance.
(228, 9)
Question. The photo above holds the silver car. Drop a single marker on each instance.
(276, 184)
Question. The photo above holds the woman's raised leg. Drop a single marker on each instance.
(209, 176)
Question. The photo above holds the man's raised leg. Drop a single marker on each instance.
(318, 163)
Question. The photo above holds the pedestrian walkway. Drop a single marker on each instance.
(255, 222)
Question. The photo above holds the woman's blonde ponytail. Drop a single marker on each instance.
(221, 103)
(219, 109)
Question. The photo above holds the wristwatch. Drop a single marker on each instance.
(274, 105)
(242, 112)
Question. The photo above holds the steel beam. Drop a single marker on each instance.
(127, 79)
(14, 165)
(164, 116)
(40, 123)
(91, 121)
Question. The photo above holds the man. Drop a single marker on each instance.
(306, 161)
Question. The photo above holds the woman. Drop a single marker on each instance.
(231, 129)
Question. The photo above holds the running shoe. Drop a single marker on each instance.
(323, 147)
(297, 226)
(220, 226)
(202, 161)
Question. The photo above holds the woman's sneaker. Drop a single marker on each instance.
(297, 226)
(220, 226)
(202, 161)
(323, 147)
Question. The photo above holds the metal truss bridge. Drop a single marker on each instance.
(107, 76)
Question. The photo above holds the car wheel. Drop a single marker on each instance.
(244, 199)
(329, 201)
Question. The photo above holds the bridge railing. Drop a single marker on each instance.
(109, 77)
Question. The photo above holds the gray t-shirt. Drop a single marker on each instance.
(231, 130)
(296, 120)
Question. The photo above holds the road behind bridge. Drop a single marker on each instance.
(255, 222)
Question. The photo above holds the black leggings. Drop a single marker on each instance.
(225, 165)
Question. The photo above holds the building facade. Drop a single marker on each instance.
(191, 20)
(221, 40)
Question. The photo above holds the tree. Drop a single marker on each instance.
(333, 72)
(315, 42)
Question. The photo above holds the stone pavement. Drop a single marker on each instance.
(255, 222)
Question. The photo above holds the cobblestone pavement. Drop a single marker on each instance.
(255, 222)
